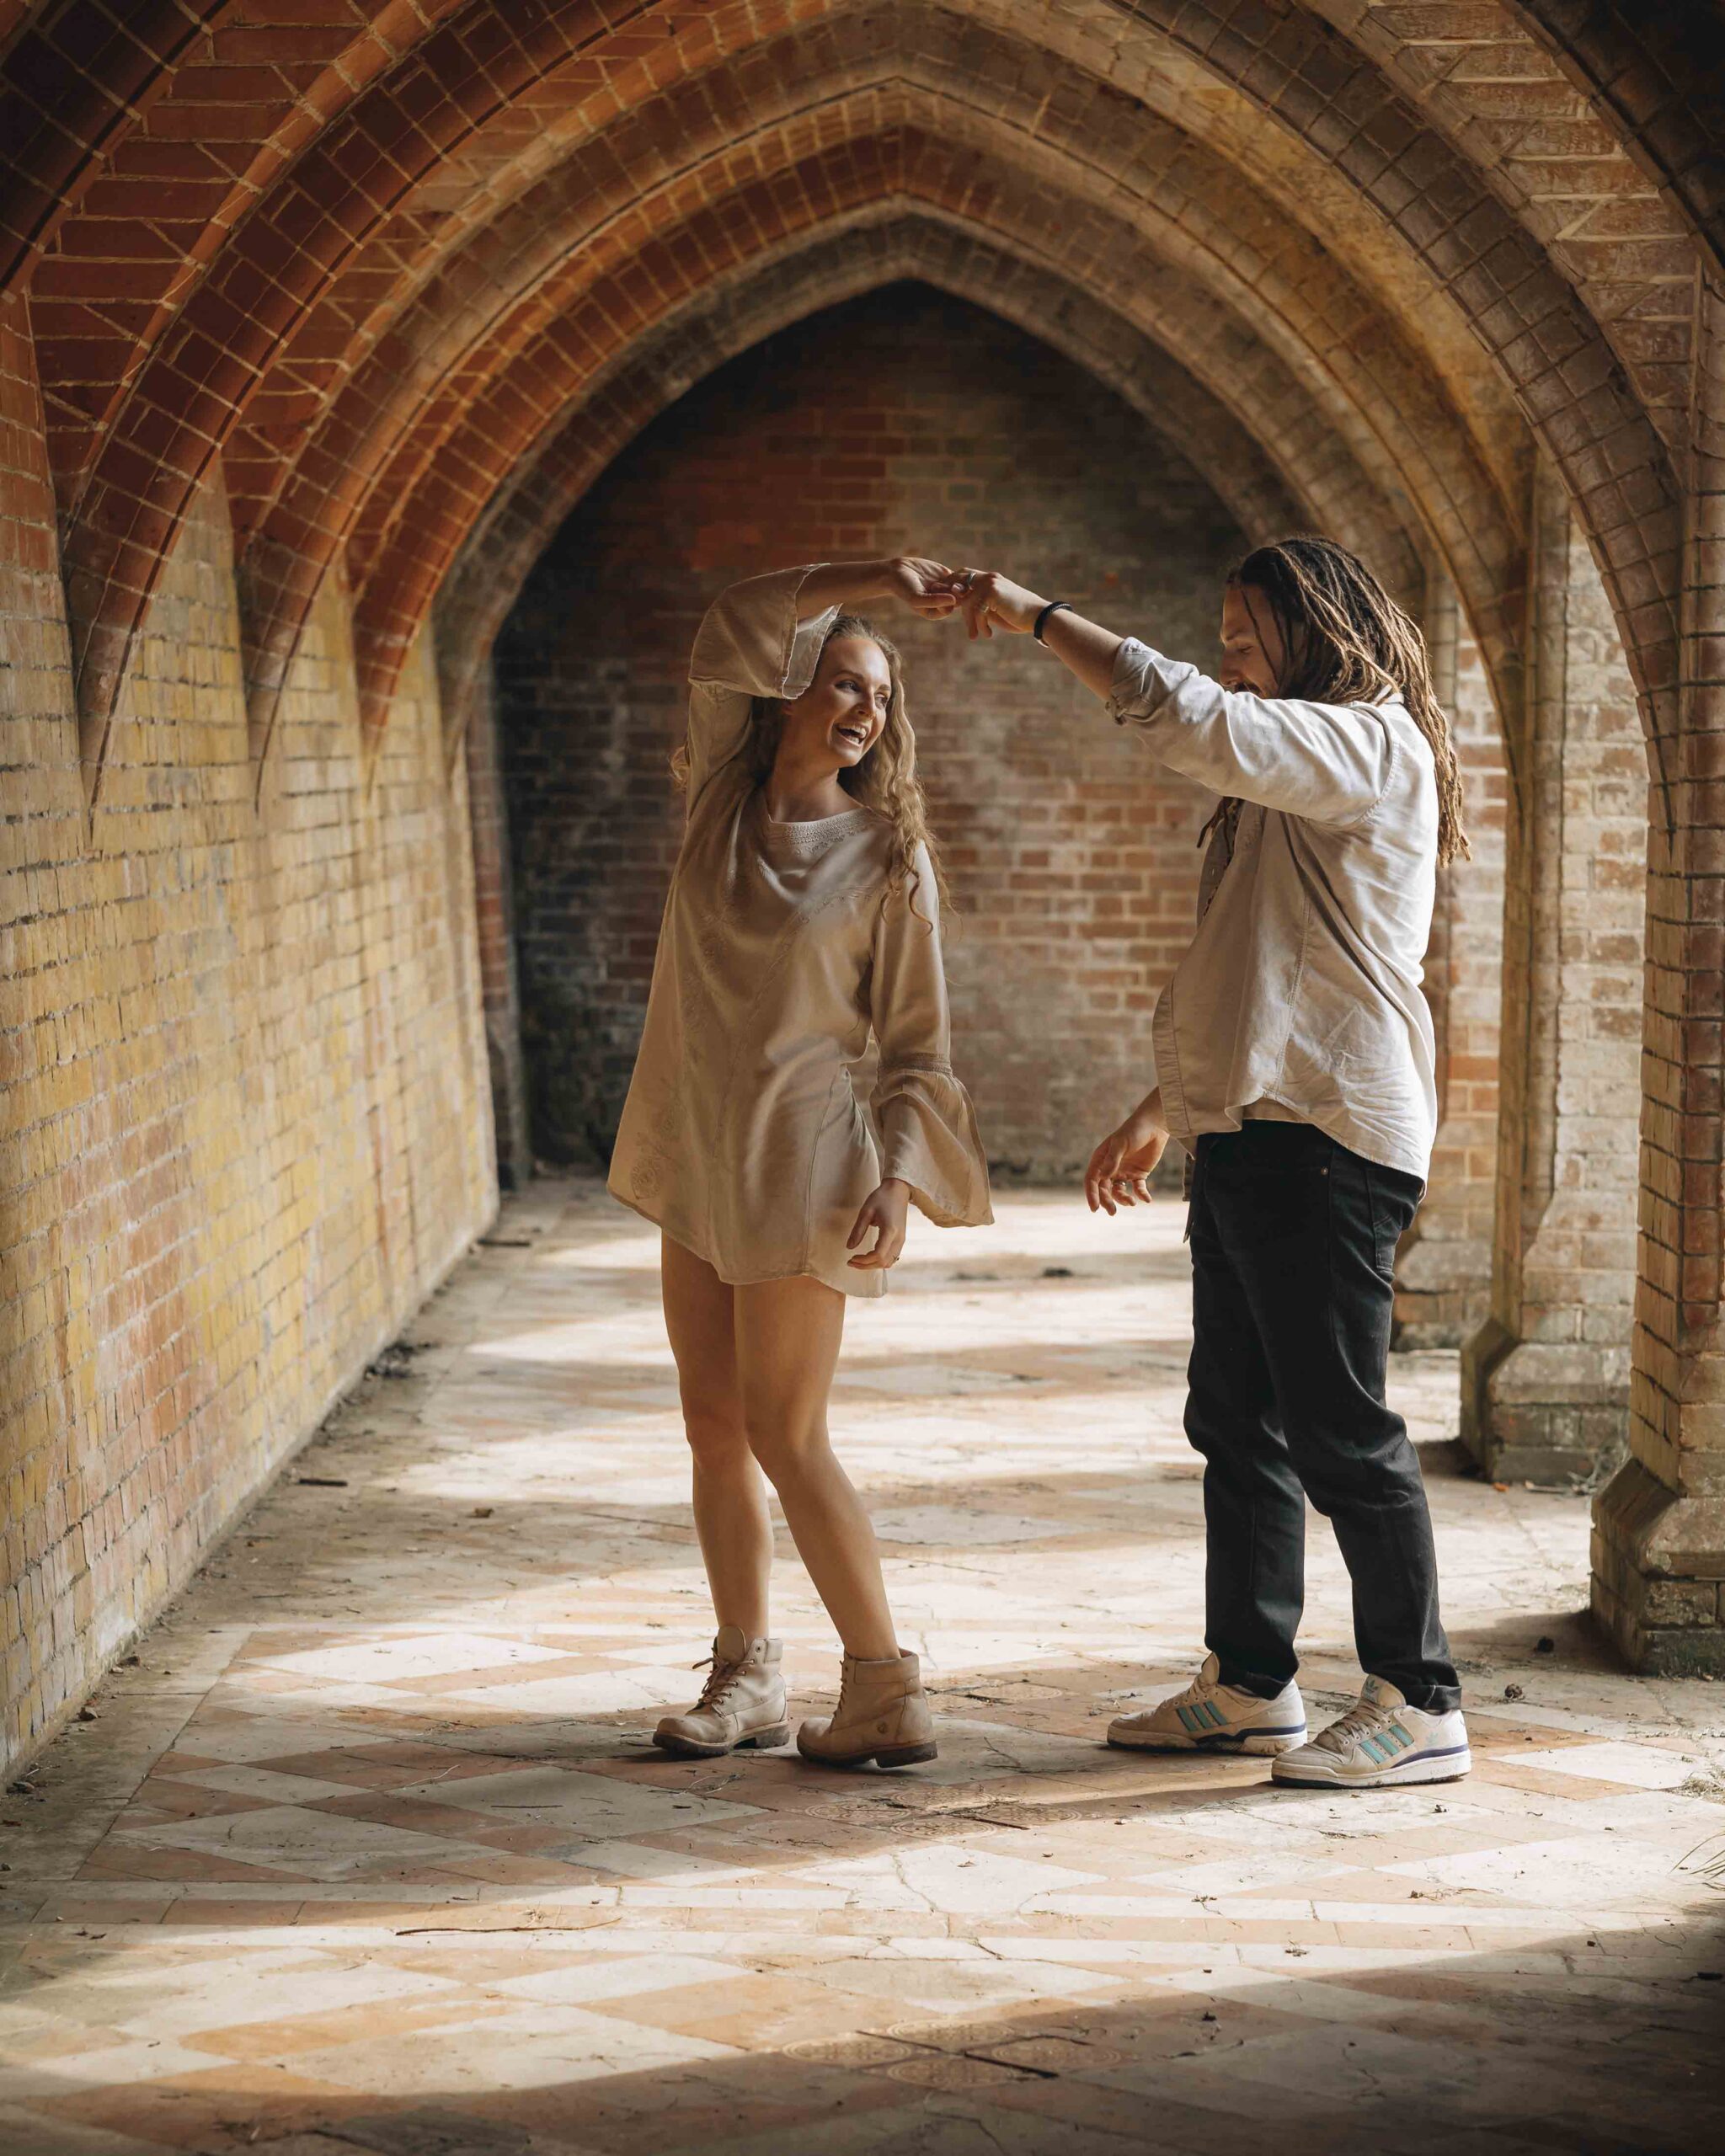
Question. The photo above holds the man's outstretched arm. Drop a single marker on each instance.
(991, 601)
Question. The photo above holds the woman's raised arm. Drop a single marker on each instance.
(762, 637)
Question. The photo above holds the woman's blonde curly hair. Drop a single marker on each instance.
(885, 780)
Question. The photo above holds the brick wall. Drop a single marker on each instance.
(905, 419)
(247, 1124)
(1443, 1272)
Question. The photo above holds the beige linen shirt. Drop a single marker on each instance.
(782, 954)
(1301, 986)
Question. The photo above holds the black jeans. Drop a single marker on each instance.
(1293, 1245)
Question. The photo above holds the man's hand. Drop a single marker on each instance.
(885, 1211)
(1121, 1166)
(991, 602)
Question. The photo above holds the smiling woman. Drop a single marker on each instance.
(802, 926)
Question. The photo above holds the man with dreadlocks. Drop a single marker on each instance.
(1293, 1061)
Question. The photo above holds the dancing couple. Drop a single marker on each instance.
(1293, 1059)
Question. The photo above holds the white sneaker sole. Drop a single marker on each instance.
(1431, 1767)
(1260, 1743)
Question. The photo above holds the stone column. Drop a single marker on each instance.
(1545, 1381)
(1443, 1269)
(500, 986)
(1659, 1525)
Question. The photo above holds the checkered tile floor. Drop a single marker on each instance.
(368, 1850)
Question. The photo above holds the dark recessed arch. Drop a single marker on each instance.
(525, 512)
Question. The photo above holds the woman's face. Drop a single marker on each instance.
(1252, 652)
(838, 718)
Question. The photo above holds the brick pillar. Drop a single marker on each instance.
(1545, 1381)
(1659, 1525)
(1444, 1270)
(499, 987)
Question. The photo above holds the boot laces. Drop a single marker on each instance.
(721, 1676)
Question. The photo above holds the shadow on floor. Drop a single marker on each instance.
(1535, 2048)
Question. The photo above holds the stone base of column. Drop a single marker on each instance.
(1659, 1575)
(1537, 1411)
(509, 1103)
(1443, 1291)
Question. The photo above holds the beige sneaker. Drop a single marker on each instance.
(742, 1702)
(883, 1715)
(1211, 1716)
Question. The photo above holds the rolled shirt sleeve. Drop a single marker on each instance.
(750, 644)
(1330, 762)
(928, 1132)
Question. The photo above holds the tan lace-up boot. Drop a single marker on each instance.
(742, 1702)
(883, 1715)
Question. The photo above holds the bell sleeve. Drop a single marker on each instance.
(750, 644)
(928, 1126)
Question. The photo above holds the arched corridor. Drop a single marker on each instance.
(386, 385)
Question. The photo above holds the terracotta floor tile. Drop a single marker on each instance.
(188, 2111)
(309, 2032)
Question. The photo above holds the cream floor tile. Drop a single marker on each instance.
(586, 1806)
(579, 1983)
(953, 1879)
(1643, 1766)
(541, 2047)
(102, 2066)
(311, 1845)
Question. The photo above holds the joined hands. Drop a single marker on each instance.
(987, 600)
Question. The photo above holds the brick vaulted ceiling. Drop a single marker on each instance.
(412, 271)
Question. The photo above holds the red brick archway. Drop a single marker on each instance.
(277, 254)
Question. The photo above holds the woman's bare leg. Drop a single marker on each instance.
(788, 1336)
(731, 1518)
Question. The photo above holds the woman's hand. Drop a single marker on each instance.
(886, 1211)
(991, 602)
(928, 588)
(1121, 1166)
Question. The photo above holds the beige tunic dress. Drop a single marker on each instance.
(743, 1137)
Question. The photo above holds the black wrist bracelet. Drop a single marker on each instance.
(1053, 607)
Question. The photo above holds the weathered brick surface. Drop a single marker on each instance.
(385, 159)
(245, 1095)
(903, 421)
(1443, 1272)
